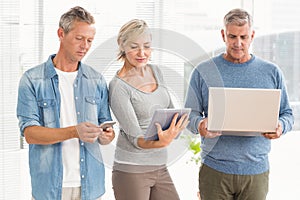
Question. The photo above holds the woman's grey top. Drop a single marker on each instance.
(133, 109)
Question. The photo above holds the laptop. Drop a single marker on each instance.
(243, 111)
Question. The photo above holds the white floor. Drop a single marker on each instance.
(284, 173)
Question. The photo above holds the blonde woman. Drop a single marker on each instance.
(135, 92)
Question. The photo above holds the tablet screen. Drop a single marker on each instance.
(164, 118)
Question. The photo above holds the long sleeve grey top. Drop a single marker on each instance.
(235, 154)
(133, 109)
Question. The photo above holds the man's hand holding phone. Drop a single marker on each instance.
(108, 133)
(107, 124)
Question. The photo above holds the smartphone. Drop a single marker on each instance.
(107, 124)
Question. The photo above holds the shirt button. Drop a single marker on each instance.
(76, 98)
(82, 143)
(82, 176)
(81, 160)
(45, 104)
(78, 113)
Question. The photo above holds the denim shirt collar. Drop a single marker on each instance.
(50, 68)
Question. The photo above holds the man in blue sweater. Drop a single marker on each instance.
(235, 167)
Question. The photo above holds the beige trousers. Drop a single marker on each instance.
(72, 193)
(154, 185)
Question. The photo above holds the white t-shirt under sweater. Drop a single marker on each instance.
(70, 148)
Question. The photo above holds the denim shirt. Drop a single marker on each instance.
(39, 105)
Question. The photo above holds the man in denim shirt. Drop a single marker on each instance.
(60, 105)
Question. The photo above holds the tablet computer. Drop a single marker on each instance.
(164, 118)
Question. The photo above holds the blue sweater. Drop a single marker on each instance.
(234, 154)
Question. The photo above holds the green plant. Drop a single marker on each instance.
(194, 147)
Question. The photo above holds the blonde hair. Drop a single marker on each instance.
(130, 31)
(238, 17)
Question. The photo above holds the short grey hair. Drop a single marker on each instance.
(130, 31)
(73, 15)
(238, 17)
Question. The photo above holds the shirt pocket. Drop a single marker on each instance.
(47, 109)
(92, 109)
